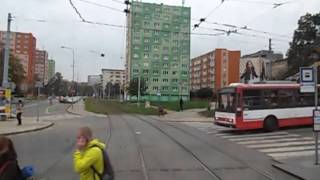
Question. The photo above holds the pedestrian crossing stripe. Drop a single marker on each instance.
(258, 146)
(223, 135)
(286, 155)
(275, 140)
(263, 138)
(279, 145)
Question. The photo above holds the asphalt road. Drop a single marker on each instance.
(142, 148)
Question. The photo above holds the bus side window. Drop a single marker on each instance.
(252, 99)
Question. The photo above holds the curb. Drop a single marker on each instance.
(70, 112)
(288, 172)
(29, 130)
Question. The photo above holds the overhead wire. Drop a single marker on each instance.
(101, 5)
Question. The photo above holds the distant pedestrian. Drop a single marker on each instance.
(181, 104)
(9, 168)
(90, 159)
(19, 109)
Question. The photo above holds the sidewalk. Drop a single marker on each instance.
(189, 115)
(301, 167)
(10, 127)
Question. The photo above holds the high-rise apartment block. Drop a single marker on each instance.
(51, 68)
(23, 46)
(215, 69)
(158, 49)
(41, 66)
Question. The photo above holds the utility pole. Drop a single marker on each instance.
(139, 91)
(270, 50)
(6, 54)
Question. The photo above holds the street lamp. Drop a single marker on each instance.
(73, 61)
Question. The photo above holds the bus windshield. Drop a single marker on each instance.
(227, 102)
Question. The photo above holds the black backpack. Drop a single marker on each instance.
(108, 173)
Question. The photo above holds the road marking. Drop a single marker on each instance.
(286, 155)
(274, 140)
(263, 138)
(258, 146)
(252, 135)
(287, 149)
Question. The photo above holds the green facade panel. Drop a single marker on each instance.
(160, 49)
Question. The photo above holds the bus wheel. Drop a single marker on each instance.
(271, 124)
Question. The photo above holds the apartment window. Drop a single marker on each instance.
(165, 57)
(184, 72)
(146, 23)
(145, 71)
(165, 80)
(156, 25)
(174, 89)
(175, 42)
(166, 18)
(146, 31)
(155, 80)
(165, 88)
(147, 48)
(165, 72)
(176, 34)
(134, 70)
(166, 25)
(175, 65)
(156, 40)
(155, 87)
(145, 64)
(135, 55)
(174, 72)
(184, 65)
(165, 64)
(146, 55)
(155, 72)
(156, 32)
(174, 80)
(146, 40)
(156, 47)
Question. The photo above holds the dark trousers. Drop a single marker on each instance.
(19, 118)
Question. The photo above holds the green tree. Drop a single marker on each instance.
(133, 87)
(16, 72)
(305, 44)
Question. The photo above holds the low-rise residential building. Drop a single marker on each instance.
(113, 76)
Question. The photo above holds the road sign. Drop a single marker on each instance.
(306, 79)
(158, 93)
(316, 120)
(38, 84)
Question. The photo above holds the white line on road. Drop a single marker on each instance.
(291, 154)
(263, 138)
(286, 149)
(258, 146)
(275, 140)
(223, 135)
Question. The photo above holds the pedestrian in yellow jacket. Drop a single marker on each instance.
(88, 155)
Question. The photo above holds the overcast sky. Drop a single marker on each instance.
(63, 28)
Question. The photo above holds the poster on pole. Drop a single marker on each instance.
(316, 120)
(306, 79)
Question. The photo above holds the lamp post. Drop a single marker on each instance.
(73, 62)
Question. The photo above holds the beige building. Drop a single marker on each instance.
(279, 68)
(114, 76)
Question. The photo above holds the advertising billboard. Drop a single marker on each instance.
(254, 70)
